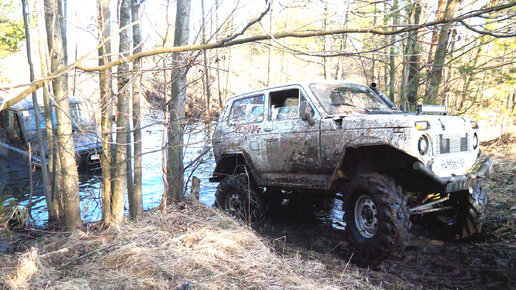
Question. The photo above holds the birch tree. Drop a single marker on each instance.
(122, 125)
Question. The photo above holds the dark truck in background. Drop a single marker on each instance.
(18, 129)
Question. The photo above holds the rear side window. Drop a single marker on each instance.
(248, 110)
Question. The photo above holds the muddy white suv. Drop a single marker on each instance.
(334, 138)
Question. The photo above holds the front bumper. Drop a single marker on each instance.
(458, 182)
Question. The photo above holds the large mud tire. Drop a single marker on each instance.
(239, 198)
(466, 217)
(376, 196)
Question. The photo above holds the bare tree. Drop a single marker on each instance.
(106, 119)
(392, 63)
(413, 52)
(206, 80)
(52, 205)
(435, 75)
(135, 199)
(175, 174)
(122, 119)
(56, 38)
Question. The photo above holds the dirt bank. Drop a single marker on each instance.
(292, 249)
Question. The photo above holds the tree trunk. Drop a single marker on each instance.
(106, 119)
(122, 131)
(435, 75)
(325, 64)
(219, 90)
(49, 124)
(413, 59)
(269, 54)
(56, 37)
(392, 63)
(175, 174)
(135, 200)
(206, 80)
(435, 33)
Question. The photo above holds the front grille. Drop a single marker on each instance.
(453, 143)
(464, 143)
(444, 144)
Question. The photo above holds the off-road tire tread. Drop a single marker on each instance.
(392, 210)
(471, 216)
(239, 184)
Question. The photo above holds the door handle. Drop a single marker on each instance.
(271, 140)
(267, 129)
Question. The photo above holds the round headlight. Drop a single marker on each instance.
(475, 141)
(422, 145)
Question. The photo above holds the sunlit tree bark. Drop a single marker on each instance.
(135, 199)
(49, 122)
(122, 125)
(175, 174)
(56, 37)
(106, 103)
(435, 75)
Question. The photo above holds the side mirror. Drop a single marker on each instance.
(305, 113)
(11, 134)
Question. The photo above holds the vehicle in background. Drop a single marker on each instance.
(18, 130)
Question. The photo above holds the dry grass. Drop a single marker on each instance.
(197, 245)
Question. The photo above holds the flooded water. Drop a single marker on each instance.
(15, 178)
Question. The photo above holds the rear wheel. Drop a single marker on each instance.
(376, 215)
(464, 219)
(239, 198)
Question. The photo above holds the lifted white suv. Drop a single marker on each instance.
(328, 137)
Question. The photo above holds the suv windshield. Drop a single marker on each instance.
(338, 98)
(29, 119)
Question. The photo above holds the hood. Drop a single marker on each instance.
(86, 142)
(399, 120)
(82, 142)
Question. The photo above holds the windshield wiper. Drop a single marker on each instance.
(344, 104)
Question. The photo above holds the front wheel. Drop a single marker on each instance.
(376, 215)
(239, 198)
(464, 219)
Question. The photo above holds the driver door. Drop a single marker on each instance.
(292, 144)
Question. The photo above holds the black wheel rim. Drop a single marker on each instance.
(235, 205)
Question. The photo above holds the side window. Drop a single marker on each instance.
(3, 125)
(14, 133)
(3, 120)
(284, 105)
(248, 110)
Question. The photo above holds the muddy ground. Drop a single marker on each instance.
(487, 260)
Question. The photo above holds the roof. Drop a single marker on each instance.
(27, 102)
(303, 83)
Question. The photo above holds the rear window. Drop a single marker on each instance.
(248, 110)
